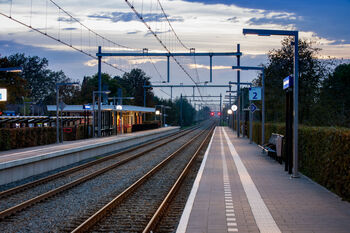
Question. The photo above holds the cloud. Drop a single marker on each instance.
(66, 19)
(133, 32)
(69, 29)
(199, 66)
(130, 16)
(94, 62)
(157, 32)
(145, 60)
(233, 19)
(270, 17)
(325, 19)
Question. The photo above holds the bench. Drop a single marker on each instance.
(274, 147)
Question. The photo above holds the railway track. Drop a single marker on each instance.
(39, 200)
(9, 196)
(140, 207)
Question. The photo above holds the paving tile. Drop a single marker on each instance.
(296, 205)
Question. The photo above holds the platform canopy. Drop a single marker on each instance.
(80, 108)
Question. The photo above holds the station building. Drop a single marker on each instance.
(115, 118)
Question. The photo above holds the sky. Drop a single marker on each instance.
(206, 25)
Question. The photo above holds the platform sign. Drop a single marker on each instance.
(255, 93)
(287, 82)
(253, 108)
(86, 106)
(3, 94)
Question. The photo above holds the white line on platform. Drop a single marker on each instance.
(189, 204)
(262, 215)
(232, 229)
(228, 206)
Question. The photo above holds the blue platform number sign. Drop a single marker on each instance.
(287, 82)
(255, 93)
(3, 94)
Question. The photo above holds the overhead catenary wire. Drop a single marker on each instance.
(172, 29)
(87, 28)
(69, 42)
(60, 41)
(161, 42)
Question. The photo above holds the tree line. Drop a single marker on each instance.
(37, 84)
(324, 86)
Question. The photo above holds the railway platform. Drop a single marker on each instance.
(19, 164)
(238, 189)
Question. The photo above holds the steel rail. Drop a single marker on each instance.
(105, 210)
(74, 169)
(152, 224)
(12, 210)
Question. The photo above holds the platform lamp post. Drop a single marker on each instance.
(99, 112)
(262, 69)
(158, 114)
(229, 112)
(164, 115)
(57, 102)
(295, 34)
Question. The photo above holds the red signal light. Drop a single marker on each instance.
(212, 114)
(219, 113)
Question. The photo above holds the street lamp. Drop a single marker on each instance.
(262, 69)
(99, 112)
(57, 100)
(295, 34)
(234, 107)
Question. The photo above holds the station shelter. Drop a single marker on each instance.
(115, 118)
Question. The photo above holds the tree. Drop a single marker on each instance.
(280, 65)
(133, 83)
(173, 114)
(90, 84)
(40, 81)
(14, 84)
(334, 105)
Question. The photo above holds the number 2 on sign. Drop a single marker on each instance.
(255, 95)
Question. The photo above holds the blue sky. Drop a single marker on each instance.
(206, 26)
(329, 19)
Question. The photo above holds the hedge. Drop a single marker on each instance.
(25, 137)
(324, 154)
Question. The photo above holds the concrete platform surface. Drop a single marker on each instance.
(238, 189)
(22, 163)
(38, 151)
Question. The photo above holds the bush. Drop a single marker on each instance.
(324, 154)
